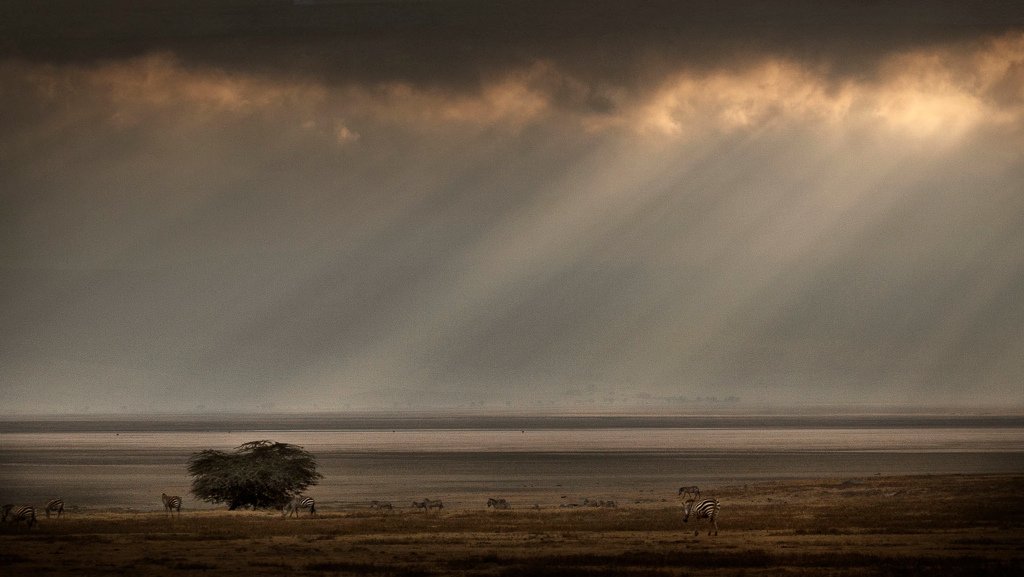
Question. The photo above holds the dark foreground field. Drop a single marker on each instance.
(922, 525)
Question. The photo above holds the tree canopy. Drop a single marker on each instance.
(261, 474)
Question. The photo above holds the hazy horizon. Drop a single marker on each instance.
(678, 414)
(262, 206)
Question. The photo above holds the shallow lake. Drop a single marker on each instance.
(543, 460)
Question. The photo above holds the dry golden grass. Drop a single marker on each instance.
(923, 525)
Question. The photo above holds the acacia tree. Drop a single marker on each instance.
(261, 474)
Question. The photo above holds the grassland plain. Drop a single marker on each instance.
(912, 525)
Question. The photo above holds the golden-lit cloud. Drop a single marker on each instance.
(951, 90)
(730, 100)
(157, 90)
(158, 87)
(934, 92)
(923, 93)
(514, 100)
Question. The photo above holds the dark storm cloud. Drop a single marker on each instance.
(456, 43)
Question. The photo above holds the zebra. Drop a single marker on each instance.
(427, 504)
(498, 503)
(706, 509)
(691, 490)
(299, 502)
(54, 506)
(381, 505)
(171, 503)
(26, 513)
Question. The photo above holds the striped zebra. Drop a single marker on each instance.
(298, 503)
(54, 506)
(706, 509)
(171, 503)
(498, 503)
(17, 514)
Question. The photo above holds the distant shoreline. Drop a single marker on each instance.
(648, 410)
(433, 420)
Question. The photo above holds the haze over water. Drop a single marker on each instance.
(543, 459)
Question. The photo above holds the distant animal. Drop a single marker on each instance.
(381, 505)
(299, 502)
(54, 506)
(427, 504)
(498, 503)
(26, 513)
(691, 490)
(706, 509)
(171, 503)
(599, 503)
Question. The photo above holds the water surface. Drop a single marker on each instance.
(547, 460)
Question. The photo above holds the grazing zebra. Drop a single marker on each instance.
(381, 505)
(171, 503)
(706, 509)
(427, 504)
(498, 503)
(691, 490)
(299, 502)
(26, 513)
(54, 506)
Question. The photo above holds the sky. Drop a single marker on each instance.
(323, 205)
